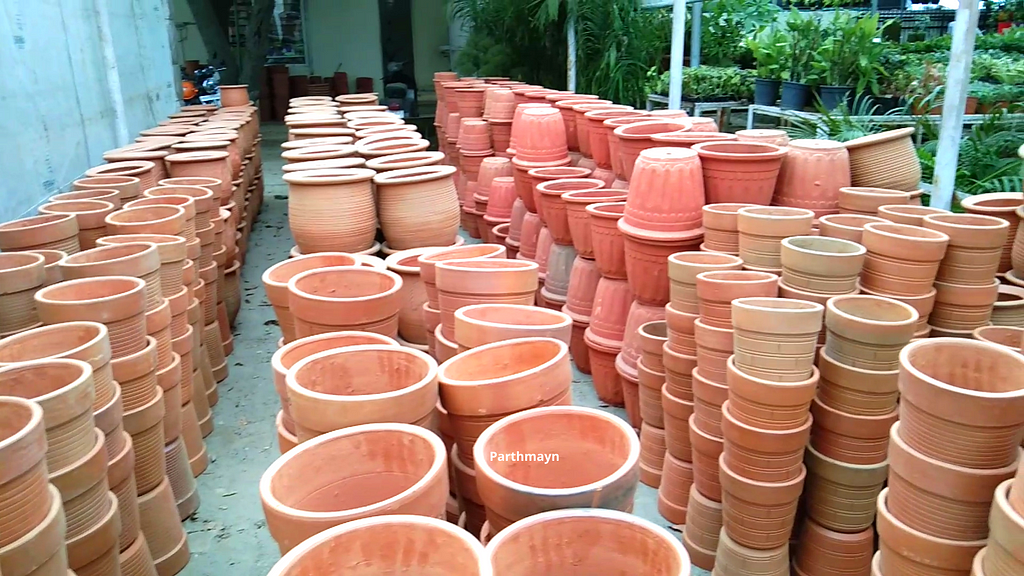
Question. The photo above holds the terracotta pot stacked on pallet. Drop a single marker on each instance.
(950, 459)
(766, 423)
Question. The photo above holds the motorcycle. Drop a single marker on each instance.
(201, 87)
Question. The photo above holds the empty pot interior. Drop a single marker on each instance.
(469, 251)
(658, 329)
(513, 315)
(34, 221)
(106, 253)
(14, 417)
(1009, 297)
(507, 359)
(588, 449)
(979, 368)
(874, 309)
(825, 245)
(144, 214)
(352, 471)
(304, 349)
(583, 546)
(103, 287)
(1002, 335)
(362, 372)
(39, 380)
(345, 283)
(295, 266)
(46, 343)
(15, 260)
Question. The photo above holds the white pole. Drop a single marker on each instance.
(570, 65)
(675, 82)
(695, 30)
(958, 77)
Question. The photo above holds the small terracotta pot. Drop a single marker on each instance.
(539, 135)
(702, 530)
(841, 496)
(768, 404)
(477, 389)
(488, 280)
(453, 549)
(674, 491)
(555, 209)
(846, 226)
(345, 298)
(116, 301)
(481, 324)
(855, 390)
(604, 467)
(21, 275)
(759, 515)
(821, 265)
(203, 164)
(467, 252)
(721, 232)
(578, 219)
(776, 338)
(652, 452)
(1010, 337)
(45, 232)
(823, 550)
(276, 278)
(607, 238)
(90, 215)
(717, 289)
(885, 160)
(169, 220)
(901, 260)
(948, 411)
(762, 230)
(975, 247)
(187, 203)
(850, 438)
(616, 546)
(51, 270)
(23, 481)
(758, 163)
(763, 455)
(683, 268)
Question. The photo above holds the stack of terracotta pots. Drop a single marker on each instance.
(955, 446)
(562, 255)
(538, 135)
(594, 135)
(765, 425)
(441, 110)
(1001, 205)
(345, 298)
(965, 284)
(761, 231)
(901, 263)
(721, 228)
(1006, 526)
(817, 269)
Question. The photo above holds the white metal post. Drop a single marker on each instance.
(958, 77)
(695, 25)
(570, 65)
(675, 82)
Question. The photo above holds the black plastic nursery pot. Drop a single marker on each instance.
(766, 92)
(794, 95)
(832, 96)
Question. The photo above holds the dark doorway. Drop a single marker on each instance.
(396, 42)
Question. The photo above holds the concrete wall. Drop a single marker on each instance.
(188, 43)
(57, 111)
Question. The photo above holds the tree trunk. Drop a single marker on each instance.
(257, 43)
(215, 37)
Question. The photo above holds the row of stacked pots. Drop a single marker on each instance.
(116, 305)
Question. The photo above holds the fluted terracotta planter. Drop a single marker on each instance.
(762, 230)
(487, 383)
(297, 494)
(400, 387)
(948, 413)
(846, 226)
(45, 232)
(885, 160)
(726, 164)
(539, 135)
(488, 280)
(481, 324)
(599, 465)
(608, 243)
(621, 543)
(634, 138)
(345, 298)
(276, 278)
(841, 496)
(827, 266)
(331, 209)
(770, 404)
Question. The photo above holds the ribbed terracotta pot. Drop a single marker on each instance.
(958, 395)
(395, 469)
(116, 301)
(488, 280)
(726, 164)
(776, 338)
(172, 251)
(90, 215)
(841, 496)
(128, 187)
(187, 203)
(706, 450)
(413, 293)
(1011, 337)
(866, 201)
(901, 260)
(467, 252)
(204, 164)
(826, 266)
(975, 247)
(51, 270)
(168, 220)
(481, 324)
(717, 289)
(598, 468)
(868, 332)
(769, 404)
(845, 226)
(418, 206)
(276, 278)
(1001, 205)
(345, 298)
(757, 514)
(762, 230)
(1006, 525)
(144, 170)
(823, 550)
(616, 542)
(45, 232)
(683, 268)
(140, 260)
(763, 455)
(400, 387)
(331, 209)
(907, 213)
(201, 192)
(42, 548)
(21, 275)
(440, 547)
(885, 160)
(485, 384)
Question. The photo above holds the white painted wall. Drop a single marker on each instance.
(56, 111)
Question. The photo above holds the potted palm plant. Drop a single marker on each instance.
(848, 59)
(805, 37)
(770, 47)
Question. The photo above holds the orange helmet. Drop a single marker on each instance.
(188, 90)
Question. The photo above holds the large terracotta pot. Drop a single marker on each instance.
(565, 104)
(901, 260)
(487, 280)
(276, 278)
(904, 550)
(481, 324)
(762, 230)
(769, 404)
(441, 547)
(607, 238)
(540, 136)
(393, 469)
(483, 385)
(846, 226)
(128, 187)
(811, 175)
(885, 160)
(727, 164)
(636, 137)
(418, 206)
(331, 209)
(620, 543)
(596, 468)
(655, 208)
(345, 298)
(354, 385)
(201, 193)
(958, 396)
(868, 332)
(45, 232)
(468, 252)
(841, 496)
(116, 301)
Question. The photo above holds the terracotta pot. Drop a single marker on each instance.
(868, 332)
(276, 278)
(418, 206)
(850, 438)
(555, 209)
(683, 268)
(109, 195)
(90, 215)
(769, 404)
(297, 507)
(717, 289)
(482, 324)
(654, 210)
(51, 270)
(706, 451)
(467, 252)
(1010, 337)
(702, 530)
(410, 315)
(776, 137)
(756, 514)
(759, 163)
(621, 543)
(907, 213)
(583, 281)
(905, 550)
(501, 199)
(205, 164)
(821, 265)
(585, 126)
(318, 152)
(846, 226)
(323, 396)
(118, 302)
(677, 412)
(139, 260)
(679, 369)
(947, 412)
(885, 160)
(1001, 205)
(331, 209)
(812, 174)
(169, 220)
(539, 135)
(512, 491)
(901, 260)
(40, 551)
(202, 196)
(823, 551)
(634, 138)
(639, 314)
(45, 232)
(578, 219)
(599, 135)
(23, 481)
(610, 311)
(489, 280)
(21, 275)
(1006, 524)
(172, 252)
(841, 496)
(763, 455)
(1008, 309)
(487, 383)
(776, 338)
(762, 230)
(452, 548)
(674, 491)
(128, 187)
(144, 170)
(345, 298)
(652, 452)
(608, 243)
(867, 201)
(975, 247)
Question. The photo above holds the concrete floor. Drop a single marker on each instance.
(228, 534)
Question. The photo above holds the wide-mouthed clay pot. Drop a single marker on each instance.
(841, 496)
(418, 206)
(140, 260)
(845, 226)
(960, 401)
(1006, 524)
(482, 385)
(726, 164)
(763, 455)
(90, 215)
(44, 232)
(769, 404)
(866, 201)
(487, 280)
(762, 230)
(331, 209)
(21, 275)
(593, 541)
(171, 250)
(596, 468)
(1009, 336)
(466, 252)
(276, 278)
(578, 219)
(128, 187)
(116, 301)
(823, 550)
(345, 298)
(683, 268)
(1002, 205)
(160, 219)
(885, 160)
(716, 289)
(144, 170)
(203, 164)
(975, 247)
(868, 332)
(482, 324)
(702, 530)
(392, 469)
(821, 265)
(343, 387)
(907, 213)
(23, 480)
(366, 547)
(721, 232)
(776, 338)
(555, 208)
(901, 260)
(759, 514)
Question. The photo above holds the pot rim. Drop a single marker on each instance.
(766, 152)
(317, 150)
(547, 187)
(979, 346)
(322, 131)
(407, 160)
(599, 114)
(35, 222)
(591, 106)
(175, 212)
(834, 220)
(414, 175)
(175, 182)
(880, 138)
(775, 212)
(562, 351)
(329, 176)
(133, 250)
(101, 334)
(550, 173)
(404, 145)
(393, 261)
(92, 207)
(959, 221)
(746, 276)
(631, 461)
(129, 167)
(291, 374)
(326, 140)
(82, 380)
(199, 156)
(33, 426)
(974, 202)
(342, 163)
(43, 293)
(277, 360)
(858, 249)
(394, 289)
(599, 210)
(893, 230)
(36, 260)
(386, 130)
(564, 320)
(625, 132)
(267, 276)
(440, 454)
(911, 210)
(694, 137)
(577, 100)
(834, 302)
(608, 195)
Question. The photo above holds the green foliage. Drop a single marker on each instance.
(988, 160)
(839, 124)
(850, 53)
(726, 24)
(707, 83)
(806, 37)
(770, 47)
